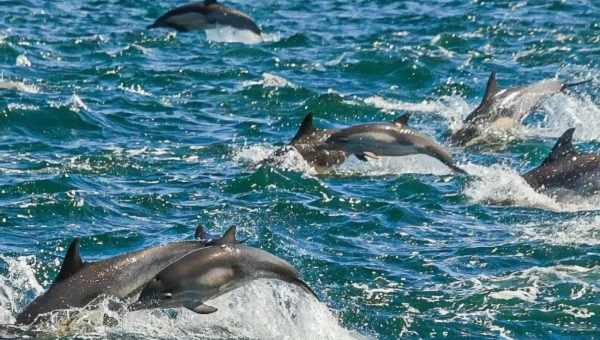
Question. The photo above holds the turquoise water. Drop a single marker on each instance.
(130, 138)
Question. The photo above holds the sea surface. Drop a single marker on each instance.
(129, 138)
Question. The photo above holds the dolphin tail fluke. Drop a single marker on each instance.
(569, 85)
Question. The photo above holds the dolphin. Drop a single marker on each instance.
(566, 168)
(78, 283)
(205, 15)
(307, 142)
(388, 139)
(504, 109)
(213, 271)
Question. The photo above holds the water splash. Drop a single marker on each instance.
(270, 80)
(290, 160)
(228, 34)
(500, 184)
(285, 313)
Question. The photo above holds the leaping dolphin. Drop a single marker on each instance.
(78, 283)
(205, 15)
(566, 168)
(503, 109)
(307, 142)
(210, 272)
(388, 139)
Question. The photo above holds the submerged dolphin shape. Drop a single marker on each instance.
(78, 283)
(502, 109)
(210, 272)
(205, 15)
(566, 168)
(388, 139)
(308, 141)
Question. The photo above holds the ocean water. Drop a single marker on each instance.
(129, 138)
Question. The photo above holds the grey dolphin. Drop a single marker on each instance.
(210, 272)
(388, 139)
(79, 283)
(502, 109)
(205, 15)
(566, 168)
(307, 142)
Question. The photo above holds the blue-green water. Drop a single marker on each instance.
(130, 138)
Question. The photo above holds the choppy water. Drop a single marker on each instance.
(130, 138)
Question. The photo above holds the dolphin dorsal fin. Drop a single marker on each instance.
(200, 233)
(563, 148)
(72, 263)
(210, 2)
(403, 120)
(488, 98)
(228, 237)
(306, 128)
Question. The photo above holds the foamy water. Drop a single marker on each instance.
(227, 34)
(263, 309)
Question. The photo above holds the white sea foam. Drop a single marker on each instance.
(16, 286)
(566, 111)
(270, 80)
(500, 184)
(291, 160)
(263, 309)
(135, 88)
(77, 103)
(534, 285)
(22, 60)
(19, 86)
(454, 108)
(580, 230)
(229, 34)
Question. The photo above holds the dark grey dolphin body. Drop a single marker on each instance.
(308, 141)
(504, 109)
(205, 15)
(210, 272)
(567, 168)
(388, 139)
(79, 283)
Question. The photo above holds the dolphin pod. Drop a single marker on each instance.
(503, 109)
(566, 168)
(78, 283)
(387, 139)
(205, 15)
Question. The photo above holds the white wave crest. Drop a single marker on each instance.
(500, 184)
(270, 80)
